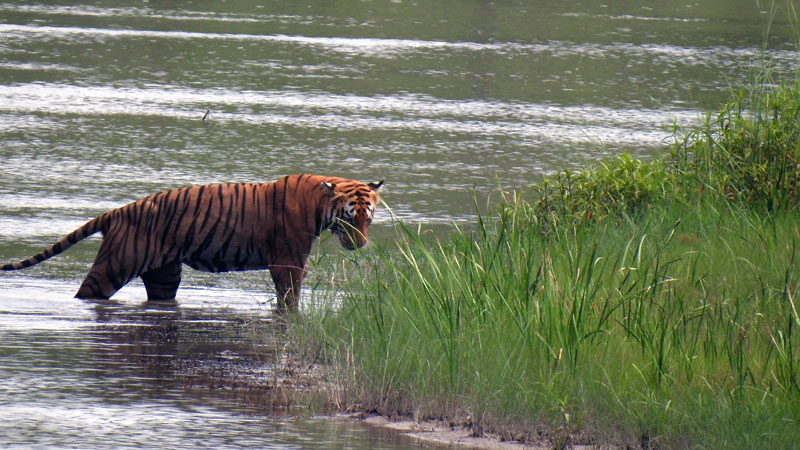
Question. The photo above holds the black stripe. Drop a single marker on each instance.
(182, 199)
(299, 179)
(280, 212)
(243, 206)
(208, 207)
(200, 192)
(96, 292)
(189, 238)
(272, 216)
(209, 238)
(231, 206)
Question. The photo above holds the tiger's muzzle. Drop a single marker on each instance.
(354, 235)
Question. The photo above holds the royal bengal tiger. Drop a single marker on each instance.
(220, 228)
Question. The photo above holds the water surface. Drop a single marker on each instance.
(101, 103)
(208, 373)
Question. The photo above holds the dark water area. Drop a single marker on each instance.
(101, 103)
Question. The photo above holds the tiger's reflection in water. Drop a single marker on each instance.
(157, 351)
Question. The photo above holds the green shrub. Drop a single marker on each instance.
(748, 152)
(617, 187)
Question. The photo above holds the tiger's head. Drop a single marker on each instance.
(353, 204)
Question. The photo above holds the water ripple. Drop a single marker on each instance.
(537, 122)
(714, 55)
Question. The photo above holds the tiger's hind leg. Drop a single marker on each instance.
(112, 268)
(162, 282)
(98, 285)
(103, 281)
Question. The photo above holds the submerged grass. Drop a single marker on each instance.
(649, 304)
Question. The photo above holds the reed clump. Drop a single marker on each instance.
(749, 151)
(642, 304)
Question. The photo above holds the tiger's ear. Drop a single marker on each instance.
(376, 186)
(329, 189)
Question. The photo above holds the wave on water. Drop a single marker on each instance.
(566, 124)
(389, 47)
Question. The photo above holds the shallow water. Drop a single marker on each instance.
(101, 103)
(207, 373)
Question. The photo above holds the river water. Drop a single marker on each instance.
(101, 103)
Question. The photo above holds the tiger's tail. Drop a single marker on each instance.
(89, 228)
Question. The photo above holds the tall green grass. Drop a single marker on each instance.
(676, 329)
(649, 304)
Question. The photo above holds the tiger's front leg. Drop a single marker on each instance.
(288, 280)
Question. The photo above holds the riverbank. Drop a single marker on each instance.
(450, 434)
(634, 303)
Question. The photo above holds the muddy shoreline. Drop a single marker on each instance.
(251, 361)
(291, 387)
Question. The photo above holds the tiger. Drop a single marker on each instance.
(220, 228)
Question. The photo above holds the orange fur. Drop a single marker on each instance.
(220, 228)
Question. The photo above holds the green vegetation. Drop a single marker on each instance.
(650, 304)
